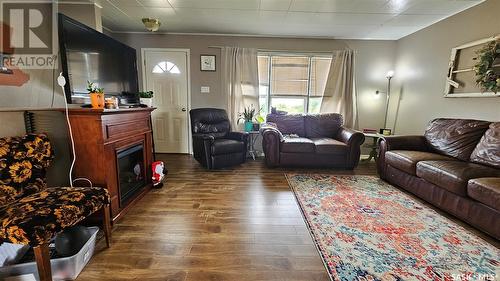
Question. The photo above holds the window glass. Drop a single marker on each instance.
(290, 105)
(289, 75)
(320, 68)
(166, 67)
(292, 83)
(314, 104)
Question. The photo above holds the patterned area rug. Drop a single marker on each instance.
(366, 229)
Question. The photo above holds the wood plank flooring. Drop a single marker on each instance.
(236, 224)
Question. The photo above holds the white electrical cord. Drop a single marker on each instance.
(62, 82)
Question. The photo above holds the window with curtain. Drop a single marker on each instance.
(291, 82)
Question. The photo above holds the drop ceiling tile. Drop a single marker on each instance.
(398, 6)
(133, 11)
(414, 20)
(275, 5)
(128, 3)
(355, 6)
(340, 6)
(217, 4)
(306, 5)
(338, 18)
(353, 19)
(111, 11)
(392, 32)
(155, 3)
(159, 12)
(446, 7)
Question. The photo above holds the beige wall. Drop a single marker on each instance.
(422, 63)
(86, 13)
(374, 59)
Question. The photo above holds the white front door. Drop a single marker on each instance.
(166, 74)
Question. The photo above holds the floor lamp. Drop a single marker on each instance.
(389, 76)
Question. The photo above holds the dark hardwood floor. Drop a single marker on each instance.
(236, 224)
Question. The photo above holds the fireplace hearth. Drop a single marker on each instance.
(131, 175)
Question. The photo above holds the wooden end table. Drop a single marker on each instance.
(373, 146)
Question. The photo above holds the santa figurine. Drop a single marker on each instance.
(158, 173)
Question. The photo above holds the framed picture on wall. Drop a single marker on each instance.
(207, 62)
(462, 79)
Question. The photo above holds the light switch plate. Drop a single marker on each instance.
(205, 89)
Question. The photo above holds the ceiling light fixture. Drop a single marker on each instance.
(151, 24)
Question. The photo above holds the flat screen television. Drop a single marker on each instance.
(89, 55)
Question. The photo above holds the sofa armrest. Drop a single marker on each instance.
(418, 143)
(350, 136)
(271, 139)
(354, 139)
(238, 136)
(204, 137)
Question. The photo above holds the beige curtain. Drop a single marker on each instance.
(340, 90)
(240, 80)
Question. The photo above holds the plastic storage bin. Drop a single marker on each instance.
(67, 268)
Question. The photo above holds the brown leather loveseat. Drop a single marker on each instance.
(455, 166)
(313, 140)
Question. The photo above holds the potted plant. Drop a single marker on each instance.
(146, 98)
(248, 115)
(259, 119)
(96, 95)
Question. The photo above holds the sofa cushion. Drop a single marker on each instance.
(330, 146)
(455, 137)
(297, 145)
(453, 175)
(322, 125)
(487, 151)
(227, 146)
(486, 191)
(288, 123)
(406, 160)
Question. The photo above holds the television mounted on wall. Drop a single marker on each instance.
(89, 55)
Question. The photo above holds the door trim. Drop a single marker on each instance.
(188, 67)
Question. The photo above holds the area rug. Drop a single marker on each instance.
(366, 229)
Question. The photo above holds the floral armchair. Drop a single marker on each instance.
(32, 213)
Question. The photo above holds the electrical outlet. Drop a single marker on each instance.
(205, 89)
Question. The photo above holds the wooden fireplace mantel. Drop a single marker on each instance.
(99, 134)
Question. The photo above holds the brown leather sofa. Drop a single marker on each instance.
(455, 166)
(315, 140)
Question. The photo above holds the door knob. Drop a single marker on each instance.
(183, 109)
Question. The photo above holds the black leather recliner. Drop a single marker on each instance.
(214, 145)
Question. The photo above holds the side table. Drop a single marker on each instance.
(252, 138)
(373, 146)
